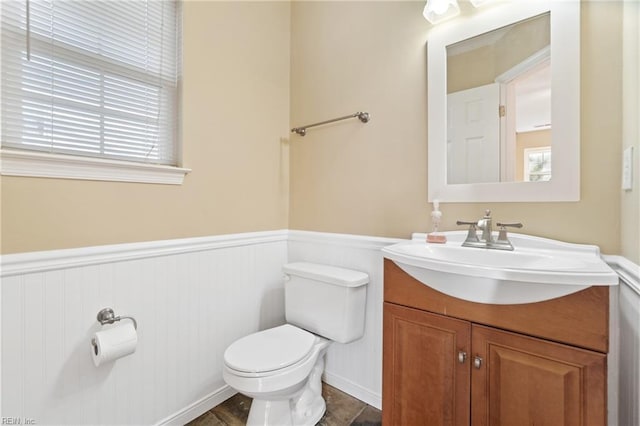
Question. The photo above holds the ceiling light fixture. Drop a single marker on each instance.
(436, 11)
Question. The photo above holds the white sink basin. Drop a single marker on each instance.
(538, 269)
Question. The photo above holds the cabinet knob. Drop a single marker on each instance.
(477, 362)
(462, 357)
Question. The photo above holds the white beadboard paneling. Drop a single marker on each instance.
(629, 361)
(613, 357)
(35, 352)
(624, 357)
(355, 368)
(191, 299)
(12, 345)
(216, 397)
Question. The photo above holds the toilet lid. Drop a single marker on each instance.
(269, 350)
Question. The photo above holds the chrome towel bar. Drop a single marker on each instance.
(362, 116)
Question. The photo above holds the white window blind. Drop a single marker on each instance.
(92, 78)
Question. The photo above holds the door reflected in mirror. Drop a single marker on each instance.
(499, 105)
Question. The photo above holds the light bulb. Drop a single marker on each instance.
(439, 7)
(439, 10)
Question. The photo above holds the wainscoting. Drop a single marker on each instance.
(355, 368)
(192, 298)
(624, 363)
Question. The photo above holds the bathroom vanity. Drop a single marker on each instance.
(449, 361)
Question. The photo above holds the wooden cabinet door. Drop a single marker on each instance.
(424, 380)
(527, 381)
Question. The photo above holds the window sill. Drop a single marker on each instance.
(37, 164)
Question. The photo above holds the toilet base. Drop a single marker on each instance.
(305, 408)
(267, 413)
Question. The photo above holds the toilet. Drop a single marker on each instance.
(281, 368)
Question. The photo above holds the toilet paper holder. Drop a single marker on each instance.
(107, 316)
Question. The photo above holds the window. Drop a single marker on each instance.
(537, 164)
(91, 79)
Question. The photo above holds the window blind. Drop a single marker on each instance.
(94, 78)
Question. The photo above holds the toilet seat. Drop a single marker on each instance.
(270, 351)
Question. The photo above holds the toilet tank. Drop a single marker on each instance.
(326, 300)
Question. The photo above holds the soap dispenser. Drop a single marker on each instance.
(436, 216)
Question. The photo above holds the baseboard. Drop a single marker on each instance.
(220, 395)
(198, 408)
(363, 394)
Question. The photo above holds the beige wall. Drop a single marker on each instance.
(253, 69)
(372, 179)
(522, 41)
(482, 65)
(235, 112)
(630, 200)
(351, 177)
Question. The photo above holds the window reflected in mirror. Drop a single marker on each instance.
(537, 164)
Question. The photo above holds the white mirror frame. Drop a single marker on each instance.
(565, 105)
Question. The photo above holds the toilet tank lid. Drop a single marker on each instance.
(326, 273)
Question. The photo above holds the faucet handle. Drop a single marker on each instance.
(472, 236)
(502, 242)
(510, 225)
(462, 222)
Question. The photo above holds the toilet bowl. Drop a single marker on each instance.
(282, 374)
(281, 368)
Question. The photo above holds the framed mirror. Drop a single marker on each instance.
(504, 105)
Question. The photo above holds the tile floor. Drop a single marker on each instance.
(342, 410)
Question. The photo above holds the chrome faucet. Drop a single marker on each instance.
(486, 240)
(486, 225)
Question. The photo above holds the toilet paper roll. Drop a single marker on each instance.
(113, 343)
